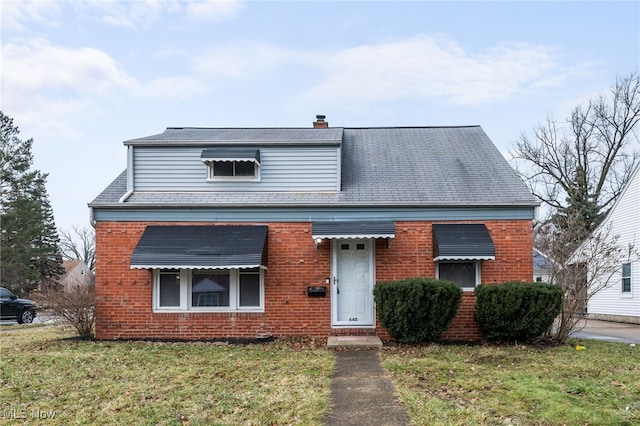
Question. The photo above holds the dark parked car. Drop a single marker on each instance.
(12, 307)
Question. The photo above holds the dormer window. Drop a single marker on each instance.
(232, 164)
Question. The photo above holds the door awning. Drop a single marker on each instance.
(201, 247)
(376, 229)
(230, 154)
(462, 242)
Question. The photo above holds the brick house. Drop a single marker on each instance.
(247, 232)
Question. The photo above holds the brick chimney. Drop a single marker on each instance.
(320, 123)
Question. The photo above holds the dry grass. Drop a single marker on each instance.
(48, 379)
(518, 385)
(86, 382)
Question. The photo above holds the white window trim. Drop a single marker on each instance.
(626, 294)
(478, 269)
(185, 293)
(212, 178)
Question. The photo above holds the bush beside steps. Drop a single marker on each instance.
(416, 310)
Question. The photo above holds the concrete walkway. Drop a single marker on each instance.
(609, 331)
(362, 393)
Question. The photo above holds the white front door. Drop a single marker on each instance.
(352, 287)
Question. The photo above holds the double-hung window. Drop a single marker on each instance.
(626, 278)
(465, 274)
(208, 290)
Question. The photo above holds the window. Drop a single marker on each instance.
(5, 294)
(626, 278)
(232, 164)
(465, 274)
(169, 289)
(206, 290)
(219, 170)
(210, 289)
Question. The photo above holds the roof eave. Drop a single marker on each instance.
(310, 204)
(204, 143)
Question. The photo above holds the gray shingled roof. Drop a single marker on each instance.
(186, 135)
(421, 166)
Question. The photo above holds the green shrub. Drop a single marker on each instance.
(516, 311)
(418, 309)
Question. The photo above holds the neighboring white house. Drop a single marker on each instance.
(621, 300)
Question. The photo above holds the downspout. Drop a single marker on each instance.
(125, 196)
(129, 176)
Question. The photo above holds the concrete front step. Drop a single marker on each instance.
(337, 342)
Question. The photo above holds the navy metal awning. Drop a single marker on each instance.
(374, 229)
(462, 242)
(230, 154)
(201, 247)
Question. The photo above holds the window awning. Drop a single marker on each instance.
(377, 229)
(462, 242)
(201, 247)
(230, 154)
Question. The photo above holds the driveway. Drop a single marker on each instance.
(610, 332)
(39, 319)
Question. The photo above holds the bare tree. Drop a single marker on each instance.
(582, 272)
(80, 243)
(579, 166)
(71, 303)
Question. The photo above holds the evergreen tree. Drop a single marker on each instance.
(581, 215)
(29, 252)
(47, 259)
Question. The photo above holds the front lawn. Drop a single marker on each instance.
(518, 385)
(47, 379)
(55, 381)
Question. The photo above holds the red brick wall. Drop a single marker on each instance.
(411, 255)
(124, 295)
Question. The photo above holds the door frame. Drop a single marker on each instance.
(334, 284)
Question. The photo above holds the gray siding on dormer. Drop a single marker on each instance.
(282, 169)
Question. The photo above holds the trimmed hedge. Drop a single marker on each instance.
(418, 309)
(517, 311)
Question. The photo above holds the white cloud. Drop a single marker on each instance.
(45, 85)
(238, 60)
(213, 10)
(142, 14)
(38, 66)
(416, 68)
(424, 67)
(138, 14)
(419, 68)
(17, 15)
(55, 87)
(172, 88)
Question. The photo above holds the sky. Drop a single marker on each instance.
(81, 77)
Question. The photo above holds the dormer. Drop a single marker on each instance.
(190, 159)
